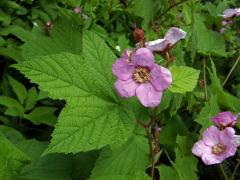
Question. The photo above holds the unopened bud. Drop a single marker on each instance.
(138, 35)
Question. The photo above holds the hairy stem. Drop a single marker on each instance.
(231, 70)
(223, 172)
(235, 169)
(205, 80)
(170, 7)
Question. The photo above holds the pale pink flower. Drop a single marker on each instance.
(139, 76)
(230, 13)
(225, 119)
(237, 140)
(173, 35)
(77, 10)
(216, 145)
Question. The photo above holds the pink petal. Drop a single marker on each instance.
(157, 45)
(122, 69)
(225, 118)
(237, 140)
(228, 13)
(161, 77)
(199, 148)
(210, 159)
(211, 136)
(174, 34)
(126, 88)
(226, 136)
(143, 57)
(148, 95)
(126, 54)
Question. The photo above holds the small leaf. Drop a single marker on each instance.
(12, 160)
(14, 108)
(207, 112)
(18, 88)
(184, 79)
(137, 176)
(224, 98)
(50, 167)
(130, 158)
(32, 98)
(42, 115)
(11, 134)
(185, 163)
(167, 173)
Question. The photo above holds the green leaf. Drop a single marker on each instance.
(12, 160)
(93, 116)
(67, 39)
(168, 135)
(208, 41)
(137, 176)
(12, 53)
(224, 98)
(19, 32)
(14, 108)
(184, 79)
(185, 163)
(31, 99)
(146, 7)
(42, 115)
(167, 173)
(11, 134)
(130, 158)
(18, 88)
(50, 167)
(209, 110)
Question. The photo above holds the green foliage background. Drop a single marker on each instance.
(60, 117)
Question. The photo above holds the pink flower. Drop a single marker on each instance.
(216, 145)
(237, 140)
(139, 76)
(230, 13)
(225, 119)
(77, 10)
(173, 35)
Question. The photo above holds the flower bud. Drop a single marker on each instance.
(138, 35)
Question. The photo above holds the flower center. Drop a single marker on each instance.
(218, 148)
(141, 75)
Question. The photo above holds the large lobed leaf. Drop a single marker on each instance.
(93, 116)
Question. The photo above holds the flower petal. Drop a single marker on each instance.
(200, 148)
(237, 140)
(157, 45)
(126, 54)
(143, 57)
(210, 159)
(226, 136)
(225, 119)
(174, 34)
(229, 13)
(211, 136)
(161, 77)
(148, 95)
(122, 69)
(126, 88)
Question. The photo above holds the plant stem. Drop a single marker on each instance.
(223, 172)
(169, 8)
(205, 80)
(235, 170)
(155, 150)
(231, 70)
